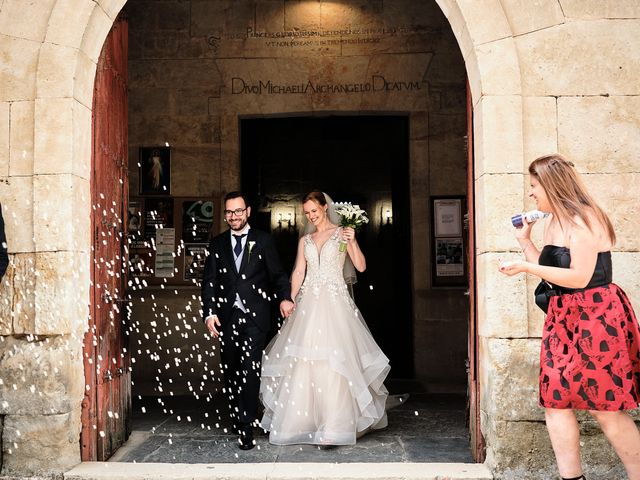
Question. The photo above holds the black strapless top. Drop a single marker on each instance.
(554, 256)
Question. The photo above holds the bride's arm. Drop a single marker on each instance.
(299, 269)
(353, 249)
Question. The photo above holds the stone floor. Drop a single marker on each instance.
(425, 428)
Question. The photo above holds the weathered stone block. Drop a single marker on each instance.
(594, 9)
(25, 20)
(498, 144)
(498, 197)
(618, 195)
(19, 61)
(509, 379)
(61, 293)
(68, 21)
(522, 451)
(476, 14)
(525, 16)
(40, 376)
(96, 31)
(82, 134)
(498, 315)
(85, 76)
(17, 210)
(49, 212)
(53, 147)
(21, 138)
(39, 445)
(581, 58)
(539, 127)
(499, 68)
(600, 134)
(56, 68)
(17, 296)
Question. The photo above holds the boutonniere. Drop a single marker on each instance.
(252, 244)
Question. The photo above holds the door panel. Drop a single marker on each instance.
(477, 440)
(107, 403)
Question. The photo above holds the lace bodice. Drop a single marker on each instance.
(325, 266)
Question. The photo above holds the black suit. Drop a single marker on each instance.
(260, 281)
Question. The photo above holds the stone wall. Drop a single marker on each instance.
(196, 67)
(569, 98)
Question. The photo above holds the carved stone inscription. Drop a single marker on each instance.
(377, 83)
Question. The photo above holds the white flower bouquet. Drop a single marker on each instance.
(350, 216)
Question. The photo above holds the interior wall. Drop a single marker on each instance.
(196, 66)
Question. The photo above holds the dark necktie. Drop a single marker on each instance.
(237, 249)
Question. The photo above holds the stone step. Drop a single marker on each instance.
(278, 471)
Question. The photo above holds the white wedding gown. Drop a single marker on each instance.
(322, 375)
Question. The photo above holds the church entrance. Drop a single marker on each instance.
(397, 149)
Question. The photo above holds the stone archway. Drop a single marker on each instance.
(50, 80)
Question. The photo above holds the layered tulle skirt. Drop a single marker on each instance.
(323, 374)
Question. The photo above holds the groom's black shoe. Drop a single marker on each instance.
(246, 438)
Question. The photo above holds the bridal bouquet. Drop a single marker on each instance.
(350, 216)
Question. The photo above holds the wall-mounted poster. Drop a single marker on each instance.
(158, 213)
(197, 218)
(448, 247)
(135, 224)
(155, 170)
(194, 258)
(165, 246)
(449, 257)
(447, 216)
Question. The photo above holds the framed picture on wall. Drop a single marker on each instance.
(197, 219)
(155, 170)
(449, 257)
(195, 254)
(447, 216)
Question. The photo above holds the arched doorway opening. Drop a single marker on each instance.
(191, 124)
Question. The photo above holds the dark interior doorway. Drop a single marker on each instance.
(363, 159)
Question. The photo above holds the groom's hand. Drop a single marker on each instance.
(212, 322)
(286, 307)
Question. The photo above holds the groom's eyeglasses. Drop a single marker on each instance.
(237, 212)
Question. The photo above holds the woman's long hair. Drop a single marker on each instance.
(567, 193)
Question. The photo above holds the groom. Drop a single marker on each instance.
(242, 275)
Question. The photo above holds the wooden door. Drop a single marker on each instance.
(477, 440)
(107, 403)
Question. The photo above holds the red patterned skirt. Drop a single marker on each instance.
(590, 353)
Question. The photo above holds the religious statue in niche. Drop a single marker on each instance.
(155, 170)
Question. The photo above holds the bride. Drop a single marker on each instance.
(322, 375)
